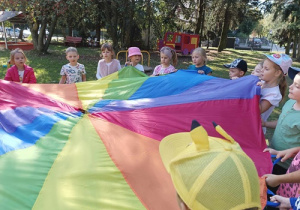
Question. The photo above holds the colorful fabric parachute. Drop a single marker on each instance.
(94, 145)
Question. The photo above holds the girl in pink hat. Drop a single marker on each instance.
(168, 57)
(134, 55)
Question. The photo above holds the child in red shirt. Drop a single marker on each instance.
(19, 72)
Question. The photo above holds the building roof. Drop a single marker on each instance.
(12, 16)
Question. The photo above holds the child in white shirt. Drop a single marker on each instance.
(275, 67)
(73, 71)
(108, 64)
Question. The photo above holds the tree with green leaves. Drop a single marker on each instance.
(289, 13)
(44, 14)
(238, 13)
(38, 14)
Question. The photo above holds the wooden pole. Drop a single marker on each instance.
(4, 31)
(14, 33)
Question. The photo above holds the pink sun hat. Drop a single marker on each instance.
(134, 51)
(282, 60)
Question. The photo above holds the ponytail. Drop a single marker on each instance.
(171, 53)
(282, 85)
(174, 57)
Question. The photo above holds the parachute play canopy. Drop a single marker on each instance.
(94, 145)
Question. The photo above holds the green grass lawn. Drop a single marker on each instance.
(47, 67)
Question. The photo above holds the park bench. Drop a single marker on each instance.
(72, 41)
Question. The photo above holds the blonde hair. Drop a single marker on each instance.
(14, 52)
(281, 80)
(260, 64)
(173, 56)
(109, 48)
(71, 49)
(201, 52)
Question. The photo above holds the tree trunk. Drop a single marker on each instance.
(295, 45)
(199, 20)
(225, 27)
(128, 32)
(98, 28)
(38, 33)
(51, 31)
(70, 29)
(112, 21)
(298, 54)
(114, 25)
(149, 23)
(21, 33)
(287, 48)
(126, 29)
(207, 43)
(34, 27)
(202, 22)
(198, 24)
(41, 35)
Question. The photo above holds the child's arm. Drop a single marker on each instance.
(269, 124)
(128, 63)
(264, 105)
(83, 77)
(284, 154)
(63, 75)
(273, 180)
(154, 73)
(288, 153)
(32, 78)
(208, 71)
(259, 83)
(98, 71)
(63, 79)
(119, 65)
(293, 177)
(284, 202)
(8, 76)
(83, 73)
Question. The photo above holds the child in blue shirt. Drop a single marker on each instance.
(199, 60)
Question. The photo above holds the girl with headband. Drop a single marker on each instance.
(168, 57)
